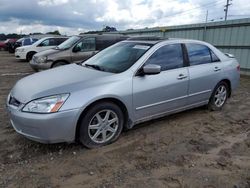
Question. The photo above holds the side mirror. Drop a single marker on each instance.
(76, 49)
(151, 69)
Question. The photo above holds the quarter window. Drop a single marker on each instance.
(168, 57)
(200, 54)
(214, 57)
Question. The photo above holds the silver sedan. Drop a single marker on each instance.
(130, 82)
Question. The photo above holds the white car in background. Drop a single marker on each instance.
(27, 52)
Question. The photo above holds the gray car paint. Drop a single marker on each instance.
(145, 97)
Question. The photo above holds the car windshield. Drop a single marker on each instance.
(118, 57)
(68, 43)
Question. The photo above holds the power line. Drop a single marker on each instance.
(204, 6)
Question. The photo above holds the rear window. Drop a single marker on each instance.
(26, 42)
(200, 54)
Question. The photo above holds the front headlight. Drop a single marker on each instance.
(42, 59)
(46, 105)
(20, 50)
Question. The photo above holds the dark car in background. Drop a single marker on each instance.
(76, 49)
(2, 45)
(21, 42)
(8, 43)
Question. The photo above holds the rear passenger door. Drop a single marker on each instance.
(84, 50)
(204, 72)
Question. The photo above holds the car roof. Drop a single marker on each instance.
(155, 39)
(102, 35)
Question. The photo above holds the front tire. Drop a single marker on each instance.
(101, 125)
(30, 56)
(219, 96)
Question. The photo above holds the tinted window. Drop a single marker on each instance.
(168, 57)
(60, 40)
(198, 54)
(26, 42)
(214, 57)
(53, 42)
(102, 43)
(87, 44)
(34, 40)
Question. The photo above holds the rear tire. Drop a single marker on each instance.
(219, 96)
(101, 125)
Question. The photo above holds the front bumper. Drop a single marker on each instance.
(40, 66)
(20, 55)
(45, 128)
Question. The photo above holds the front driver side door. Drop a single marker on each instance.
(84, 50)
(164, 92)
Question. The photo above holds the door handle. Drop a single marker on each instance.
(181, 76)
(217, 69)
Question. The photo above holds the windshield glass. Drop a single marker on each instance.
(118, 57)
(68, 43)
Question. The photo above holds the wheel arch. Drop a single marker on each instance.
(116, 101)
(30, 52)
(228, 82)
(59, 60)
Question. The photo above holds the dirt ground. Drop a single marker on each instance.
(196, 148)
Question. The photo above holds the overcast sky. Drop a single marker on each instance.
(75, 16)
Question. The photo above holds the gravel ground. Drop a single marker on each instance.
(196, 148)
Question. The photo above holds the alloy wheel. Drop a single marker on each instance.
(103, 126)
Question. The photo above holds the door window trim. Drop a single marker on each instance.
(187, 57)
(137, 72)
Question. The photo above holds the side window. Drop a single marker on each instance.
(44, 43)
(52, 42)
(34, 40)
(214, 57)
(168, 57)
(26, 42)
(87, 44)
(198, 54)
(60, 40)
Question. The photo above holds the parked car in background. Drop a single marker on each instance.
(9, 43)
(130, 82)
(27, 52)
(22, 42)
(75, 49)
(2, 45)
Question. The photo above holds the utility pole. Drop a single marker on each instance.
(205, 28)
(226, 8)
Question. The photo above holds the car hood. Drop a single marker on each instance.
(64, 79)
(48, 52)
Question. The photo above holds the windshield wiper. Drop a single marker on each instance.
(97, 67)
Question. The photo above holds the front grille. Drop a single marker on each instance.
(14, 102)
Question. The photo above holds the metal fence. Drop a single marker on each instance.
(232, 36)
